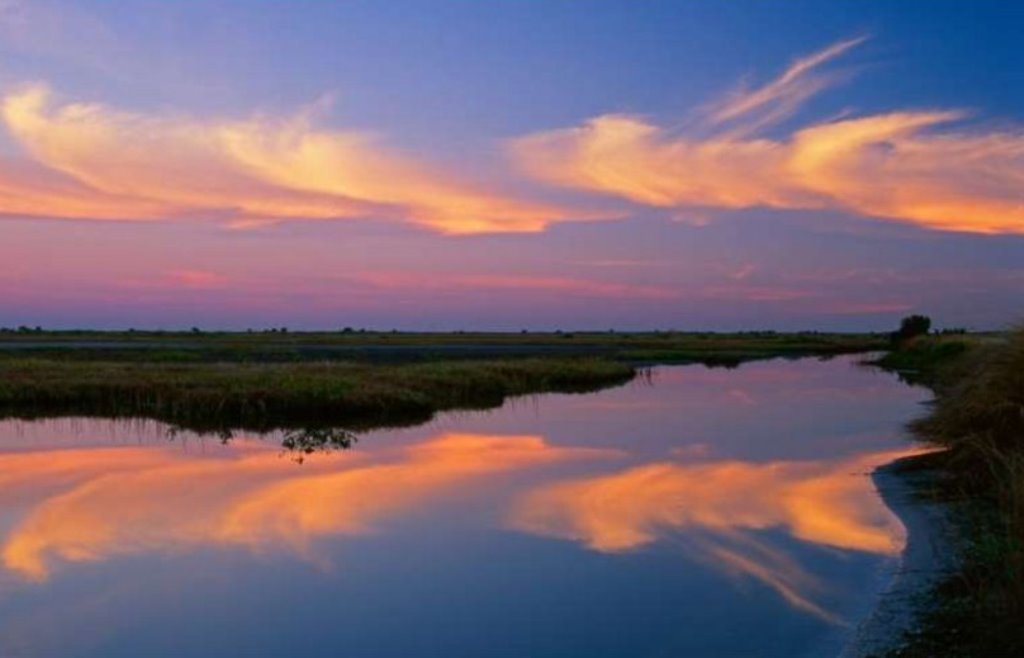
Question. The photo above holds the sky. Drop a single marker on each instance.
(541, 165)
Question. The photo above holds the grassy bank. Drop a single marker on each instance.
(262, 396)
(978, 416)
(276, 378)
(402, 347)
(352, 379)
(932, 361)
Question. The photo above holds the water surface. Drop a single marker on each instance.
(704, 512)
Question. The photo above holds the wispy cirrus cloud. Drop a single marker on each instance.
(93, 161)
(782, 96)
(910, 166)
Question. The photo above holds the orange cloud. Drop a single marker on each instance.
(29, 190)
(724, 504)
(88, 505)
(89, 160)
(113, 164)
(895, 165)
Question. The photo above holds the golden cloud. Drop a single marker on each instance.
(94, 161)
(904, 166)
(89, 160)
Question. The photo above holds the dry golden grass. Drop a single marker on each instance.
(978, 415)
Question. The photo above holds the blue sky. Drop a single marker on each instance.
(498, 165)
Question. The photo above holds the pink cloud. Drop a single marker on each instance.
(483, 281)
(197, 279)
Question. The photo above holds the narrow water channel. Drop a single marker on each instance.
(700, 512)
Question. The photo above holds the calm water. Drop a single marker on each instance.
(708, 512)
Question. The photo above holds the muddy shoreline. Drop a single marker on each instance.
(928, 555)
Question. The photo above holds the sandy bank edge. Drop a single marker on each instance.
(928, 555)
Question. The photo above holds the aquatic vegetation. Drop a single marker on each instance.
(308, 441)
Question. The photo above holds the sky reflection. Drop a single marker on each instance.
(724, 504)
(706, 493)
(96, 504)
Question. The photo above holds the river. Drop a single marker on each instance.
(695, 512)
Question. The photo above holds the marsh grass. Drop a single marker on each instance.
(264, 396)
(928, 360)
(978, 415)
(357, 379)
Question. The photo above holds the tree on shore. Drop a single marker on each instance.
(912, 326)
